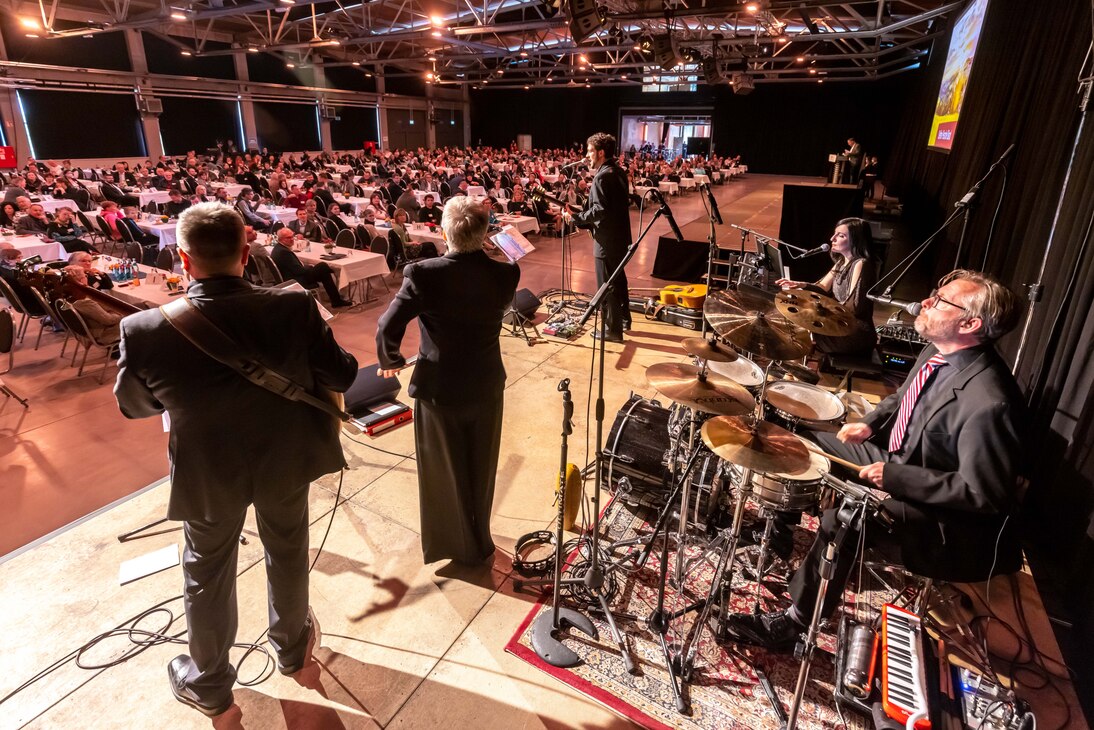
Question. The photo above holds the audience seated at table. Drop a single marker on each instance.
(430, 212)
(309, 277)
(102, 323)
(252, 216)
(9, 271)
(34, 223)
(66, 231)
(176, 204)
(400, 247)
(7, 214)
(95, 278)
(305, 226)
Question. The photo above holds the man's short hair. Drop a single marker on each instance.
(603, 141)
(464, 222)
(76, 255)
(212, 235)
(243, 191)
(10, 254)
(994, 304)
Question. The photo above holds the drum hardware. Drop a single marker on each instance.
(545, 641)
(815, 312)
(708, 350)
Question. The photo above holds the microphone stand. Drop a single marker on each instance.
(712, 243)
(594, 576)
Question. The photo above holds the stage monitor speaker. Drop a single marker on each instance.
(525, 304)
(585, 19)
(664, 52)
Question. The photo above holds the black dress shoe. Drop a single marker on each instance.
(342, 303)
(610, 337)
(775, 631)
(177, 671)
(626, 325)
(315, 637)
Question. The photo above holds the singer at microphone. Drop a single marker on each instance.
(607, 214)
(851, 276)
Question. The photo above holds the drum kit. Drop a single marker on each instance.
(730, 437)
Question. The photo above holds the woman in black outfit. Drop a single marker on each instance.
(847, 282)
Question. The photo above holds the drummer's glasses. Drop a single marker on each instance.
(935, 299)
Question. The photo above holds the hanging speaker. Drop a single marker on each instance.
(585, 19)
(664, 52)
(712, 71)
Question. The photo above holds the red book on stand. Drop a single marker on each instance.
(380, 417)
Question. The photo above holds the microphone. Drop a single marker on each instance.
(823, 248)
(570, 164)
(667, 212)
(912, 308)
(715, 213)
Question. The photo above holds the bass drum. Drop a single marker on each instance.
(742, 371)
(637, 449)
(796, 406)
(788, 492)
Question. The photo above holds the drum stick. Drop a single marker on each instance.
(842, 462)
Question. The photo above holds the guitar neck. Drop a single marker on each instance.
(539, 192)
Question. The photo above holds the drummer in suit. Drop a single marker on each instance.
(945, 447)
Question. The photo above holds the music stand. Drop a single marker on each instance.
(515, 246)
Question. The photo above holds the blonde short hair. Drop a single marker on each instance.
(464, 222)
(212, 233)
(993, 304)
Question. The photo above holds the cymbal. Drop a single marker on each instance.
(750, 322)
(737, 301)
(714, 394)
(815, 312)
(710, 351)
(800, 372)
(760, 446)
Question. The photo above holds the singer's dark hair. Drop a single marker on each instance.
(858, 231)
(603, 141)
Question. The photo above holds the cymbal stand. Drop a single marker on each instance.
(850, 515)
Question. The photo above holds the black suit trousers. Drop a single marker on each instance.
(458, 448)
(209, 567)
(321, 274)
(616, 313)
(806, 580)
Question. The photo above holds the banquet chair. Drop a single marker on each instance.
(7, 337)
(165, 259)
(134, 251)
(320, 207)
(151, 207)
(48, 307)
(75, 324)
(345, 238)
(268, 271)
(25, 313)
(93, 232)
(330, 228)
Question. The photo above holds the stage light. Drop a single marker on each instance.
(436, 20)
(436, 34)
(288, 2)
(783, 39)
(800, 59)
(813, 71)
(187, 53)
(752, 7)
(623, 77)
(30, 23)
(429, 75)
(582, 58)
(290, 65)
(527, 87)
(356, 63)
(524, 54)
(178, 16)
(32, 35)
(252, 49)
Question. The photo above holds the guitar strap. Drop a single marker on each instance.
(210, 339)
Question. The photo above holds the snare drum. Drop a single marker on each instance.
(795, 406)
(789, 492)
(742, 371)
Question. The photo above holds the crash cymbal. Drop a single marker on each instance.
(766, 335)
(713, 393)
(709, 351)
(815, 312)
(760, 446)
(737, 301)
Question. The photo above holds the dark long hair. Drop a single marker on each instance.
(861, 238)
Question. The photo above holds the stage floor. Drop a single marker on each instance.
(405, 644)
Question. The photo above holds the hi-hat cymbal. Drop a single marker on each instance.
(760, 446)
(713, 393)
(761, 331)
(710, 351)
(800, 372)
(815, 312)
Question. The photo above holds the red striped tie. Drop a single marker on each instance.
(907, 403)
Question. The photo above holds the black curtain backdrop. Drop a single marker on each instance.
(355, 125)
(73, 124)
(778, 128)
(197, 124)
(286, 127)
(1023, 91)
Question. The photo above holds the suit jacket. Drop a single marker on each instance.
(309, 230)
(290, 265)
(459, 300)
(232, 442)
(958, 482)
(607, 212)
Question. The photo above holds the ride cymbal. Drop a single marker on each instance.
(759, 446)
(713, 393)
(815, 312)
(709, 351)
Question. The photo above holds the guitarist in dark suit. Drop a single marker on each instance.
(222, 432)
(607, 213)
(946, 448)
(459, 300)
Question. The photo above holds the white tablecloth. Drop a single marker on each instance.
(51, 206)
(233, 188)
(356, 266)
(476, 190)
(157, 196)
(668, 186)
(523, 223)
(152, 291)
(163, 231)
(35, 246)
(687, 183)
(701, 179)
